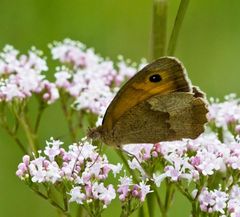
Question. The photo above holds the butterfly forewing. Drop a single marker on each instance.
(173, 78)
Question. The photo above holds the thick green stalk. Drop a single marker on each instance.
(177, 26)
(151, 204)
(144, 211)
(159, 29)
(159, 201)
(169, 194)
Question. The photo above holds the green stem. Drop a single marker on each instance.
(220, 133)
(145, 210)
(121, 155)
(159, 29)
(159, 201)
(53, 203)
(169, 194)
(184, 192)
(68, 116)
(151, 204)
(11, 132)
(39, 116)
(194, 209)
(13, 136)
(30, 136)
(81, 212)
(177, 26)
(65, 199)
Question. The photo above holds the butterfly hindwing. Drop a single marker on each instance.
(187, 113)
(161, 118)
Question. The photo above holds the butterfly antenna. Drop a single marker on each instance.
(100, 150)
(80, 152)
(61, 137)
(135, 157)
(76, 161)
(130, 154)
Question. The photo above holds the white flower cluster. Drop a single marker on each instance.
(226, 112)
(83, 167)
(221, 202)
(91, 80)
(21, 76)
(188, 159)
(127, 189)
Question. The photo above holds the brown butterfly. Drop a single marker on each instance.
(157, 104)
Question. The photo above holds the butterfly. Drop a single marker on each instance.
(157, 104)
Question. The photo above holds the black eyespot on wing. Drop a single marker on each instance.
(155, 78)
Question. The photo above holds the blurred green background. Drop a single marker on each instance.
(209, 46)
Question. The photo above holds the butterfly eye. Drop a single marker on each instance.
(155, 78)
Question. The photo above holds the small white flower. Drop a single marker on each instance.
(37, 170)
(115, 168)
(126, 180)
(159, 178)
(77, 195)
(53, 148)
(53, 172)
(145, 189)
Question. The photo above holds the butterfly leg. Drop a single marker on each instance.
(134, 156)
(100, 150)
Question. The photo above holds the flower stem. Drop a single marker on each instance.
(13, 135)
(68, 116)
(159, 201)
(39, 116)
(11, 132)
(159, 29)
(65, 199)
(121, 155)
(151, 204)
(145, 210)
(184, 192)
(81, 212)
(194, 209)
(177, 26)
(53, 203)
(169, 194)
(30, 136)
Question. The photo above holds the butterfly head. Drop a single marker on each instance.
(94, 133)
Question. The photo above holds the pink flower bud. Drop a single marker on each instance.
(26, 159)
(45, 163)
(135, 193)
(195, 161)
(237, 128)
(154, 154)
(157, 147)
(88, 190)
(19, 173)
